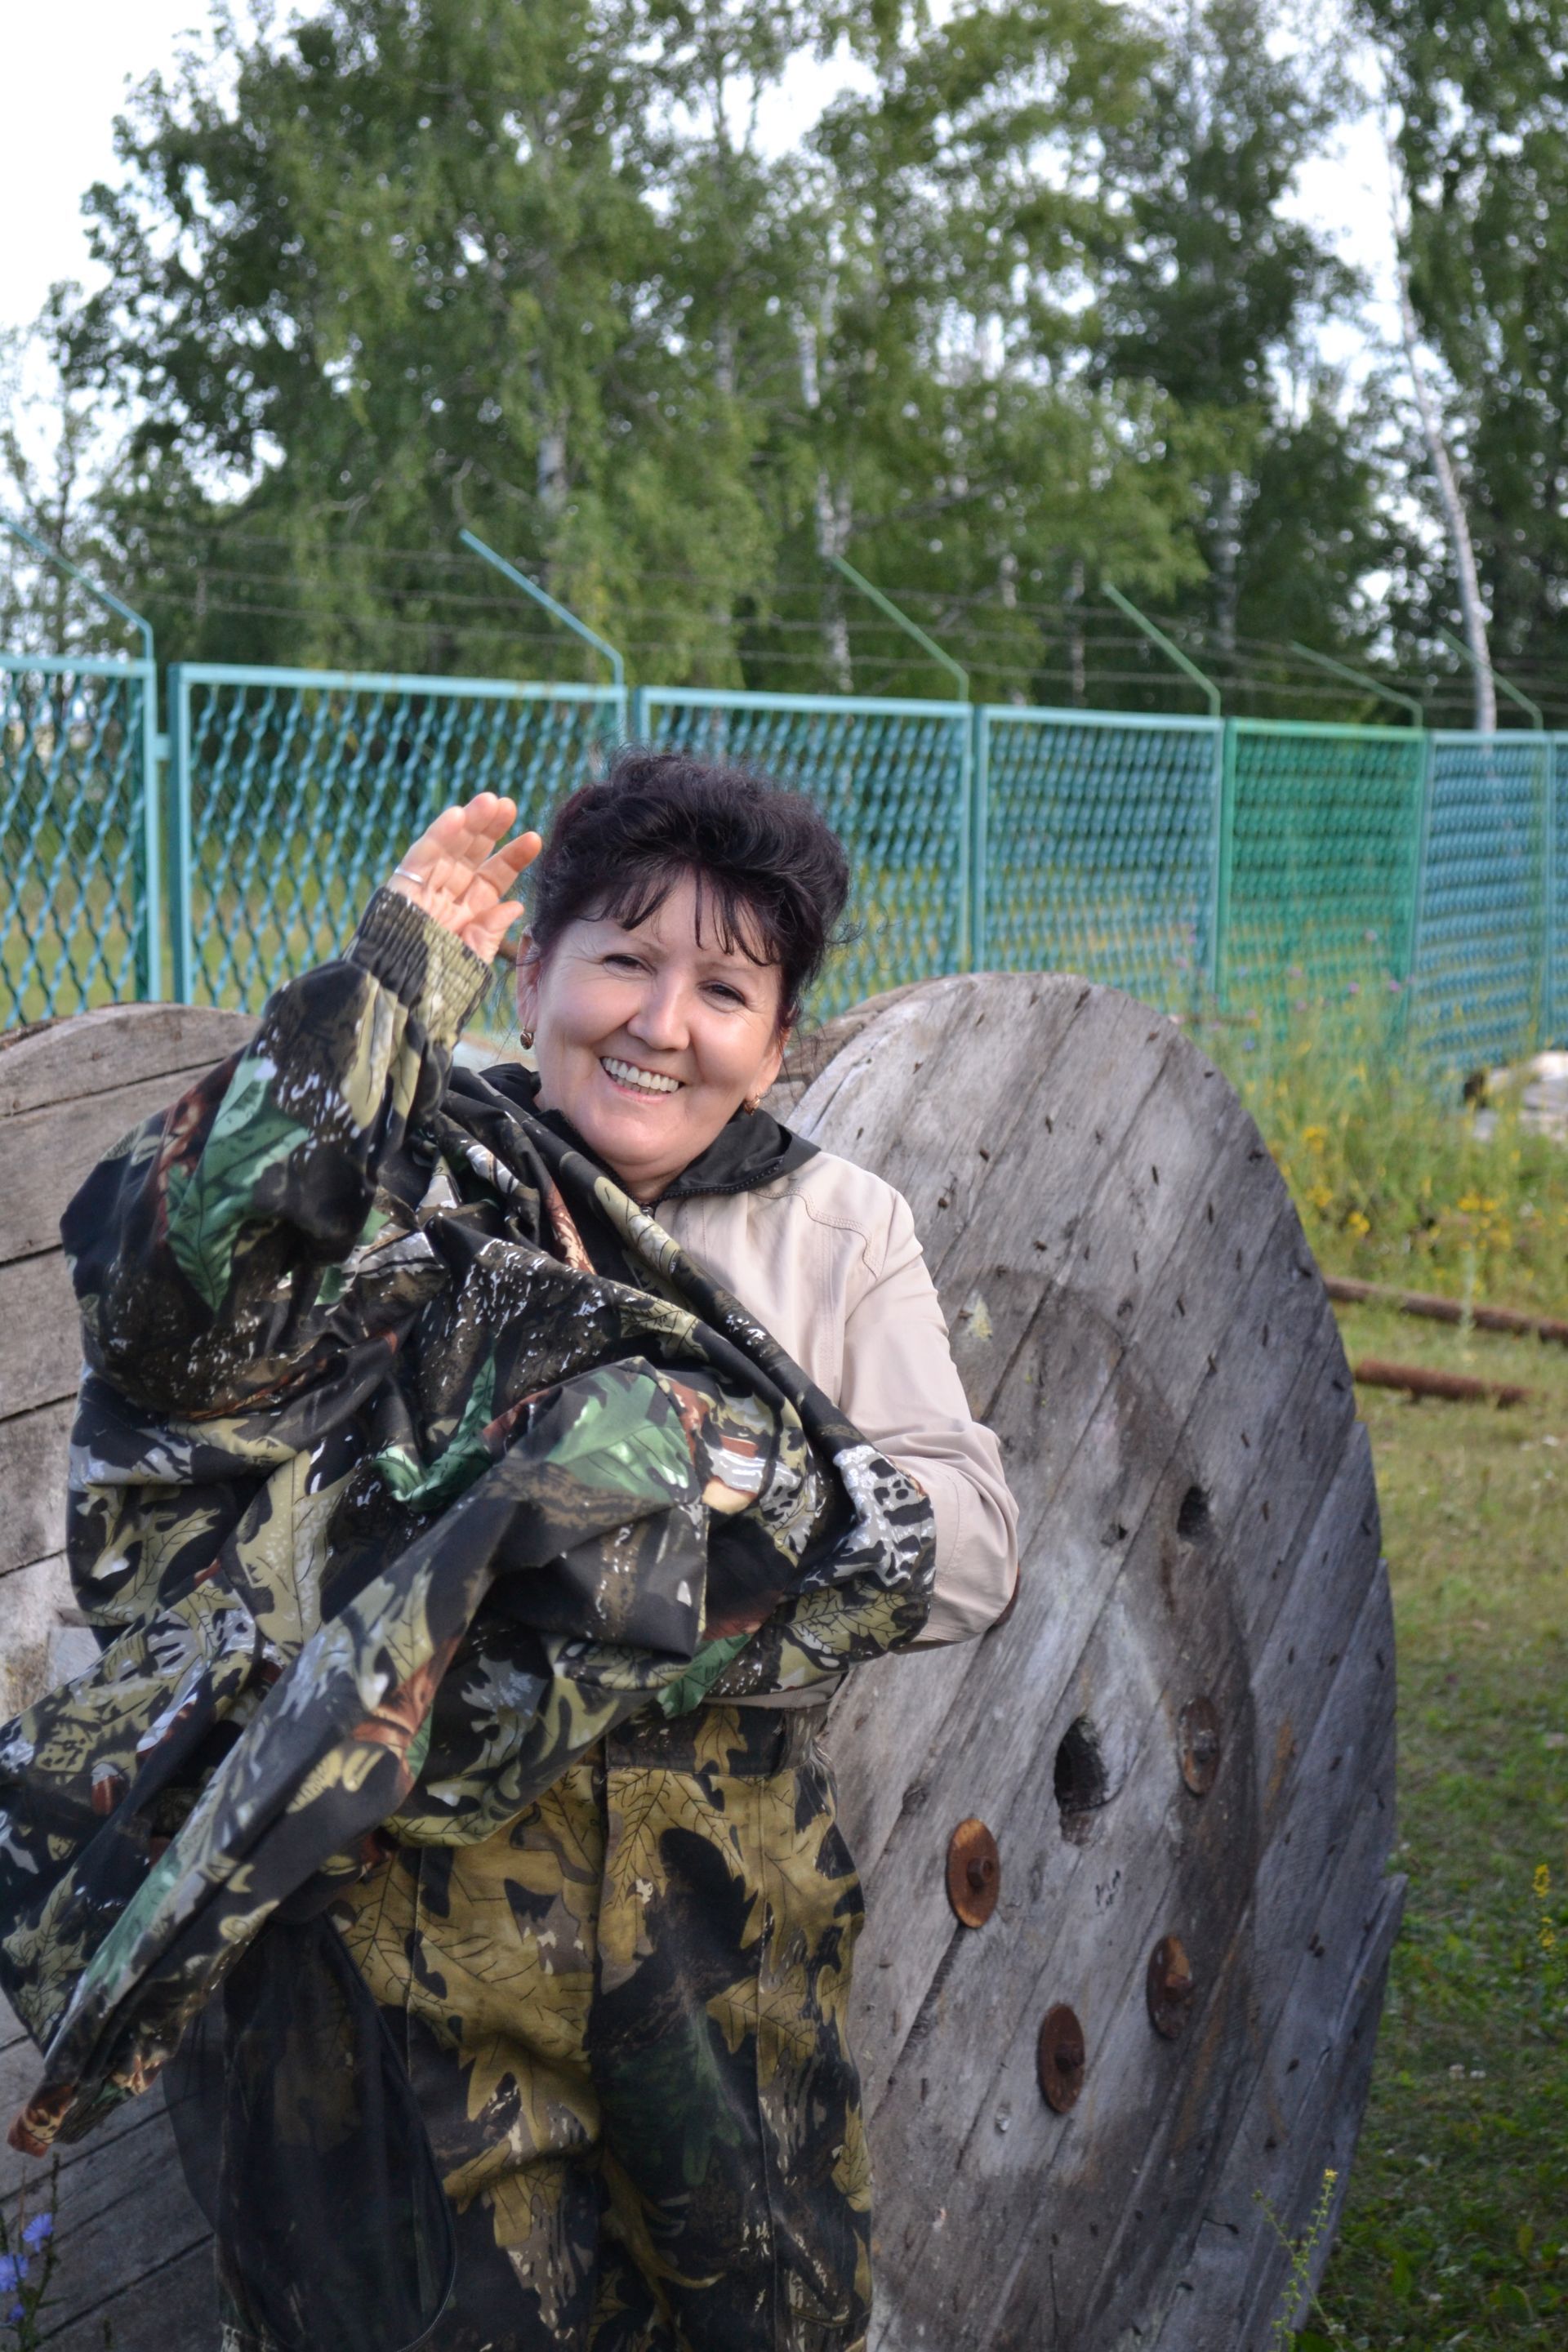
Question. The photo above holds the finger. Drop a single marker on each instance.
(482, 821)
(486, 933)
(512, 858)
(465, 833)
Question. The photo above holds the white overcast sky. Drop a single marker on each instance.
(65, 66)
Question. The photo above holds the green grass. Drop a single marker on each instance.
(1456, 2229)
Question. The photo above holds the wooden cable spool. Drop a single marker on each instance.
(1124, 1857)
(1084, 2110)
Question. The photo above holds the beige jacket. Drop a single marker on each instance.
(827, 1260)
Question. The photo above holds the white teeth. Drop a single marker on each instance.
(646, 1082)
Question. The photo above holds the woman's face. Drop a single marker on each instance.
(648, 1040)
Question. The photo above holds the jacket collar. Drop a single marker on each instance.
(750, 1152)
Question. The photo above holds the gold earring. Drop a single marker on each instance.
(527, 1035)
(753, 1102)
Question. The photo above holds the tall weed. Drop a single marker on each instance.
(1396, 1177)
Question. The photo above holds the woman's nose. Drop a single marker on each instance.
(661, 1021)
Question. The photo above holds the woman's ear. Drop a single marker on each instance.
(772, 1060)
(527, 983)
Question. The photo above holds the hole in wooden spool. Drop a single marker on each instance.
(1079, 1780)
(1192, 1518)
(1061, 2060)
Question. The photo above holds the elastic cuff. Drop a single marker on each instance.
(426, 966)
(961, 1607)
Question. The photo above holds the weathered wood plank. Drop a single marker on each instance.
(41, 1360)
(1325, 2121)
(1303, 1895)
(129, 2212)
(31, 1601)
(171, 2307)
(32, 1463)
(116, 1045)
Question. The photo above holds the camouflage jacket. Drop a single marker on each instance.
(411, 1456)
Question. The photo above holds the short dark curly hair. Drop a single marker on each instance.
(769, 868)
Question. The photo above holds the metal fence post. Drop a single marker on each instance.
(1224, 861)
(636, 715)
(1547, 1021)
(979, 823)
(1421, 821)
(182, 935)
(150, 931)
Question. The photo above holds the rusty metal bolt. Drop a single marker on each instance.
(1169, 1987)
(1060, 2059)
(973, 1872)
(1201, 1745)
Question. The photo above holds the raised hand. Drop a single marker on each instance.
(460, 871)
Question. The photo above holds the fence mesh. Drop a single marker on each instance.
(1163, 854)
(1321, 864)
(76, 807)
(893, 779)
(1480, 967)
(302, 791)
(1099, 847)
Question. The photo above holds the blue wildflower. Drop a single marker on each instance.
(39, 2230)
(13, 2271)
(17, 2313)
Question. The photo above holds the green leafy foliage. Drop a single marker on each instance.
(1479, 89)
(1013, 316)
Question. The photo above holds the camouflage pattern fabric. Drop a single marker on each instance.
(624, 2019)
(412, 1460)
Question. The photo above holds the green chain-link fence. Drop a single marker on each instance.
(294, 792)
(1318, 862)
(77, 835)
(1482, 976)
(1258, 862)
(1098, 839)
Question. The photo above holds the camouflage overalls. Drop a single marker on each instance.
(625, 2022)
(435, 1511)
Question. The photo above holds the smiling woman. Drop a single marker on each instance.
(681, 911)
(516, 1461)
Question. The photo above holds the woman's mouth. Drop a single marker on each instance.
(636, 1081)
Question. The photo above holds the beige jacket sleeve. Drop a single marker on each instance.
(829, 1262)
(899, 1386)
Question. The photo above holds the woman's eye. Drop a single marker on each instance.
(725, 993)
(621, 961)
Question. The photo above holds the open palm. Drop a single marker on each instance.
(461, 868)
